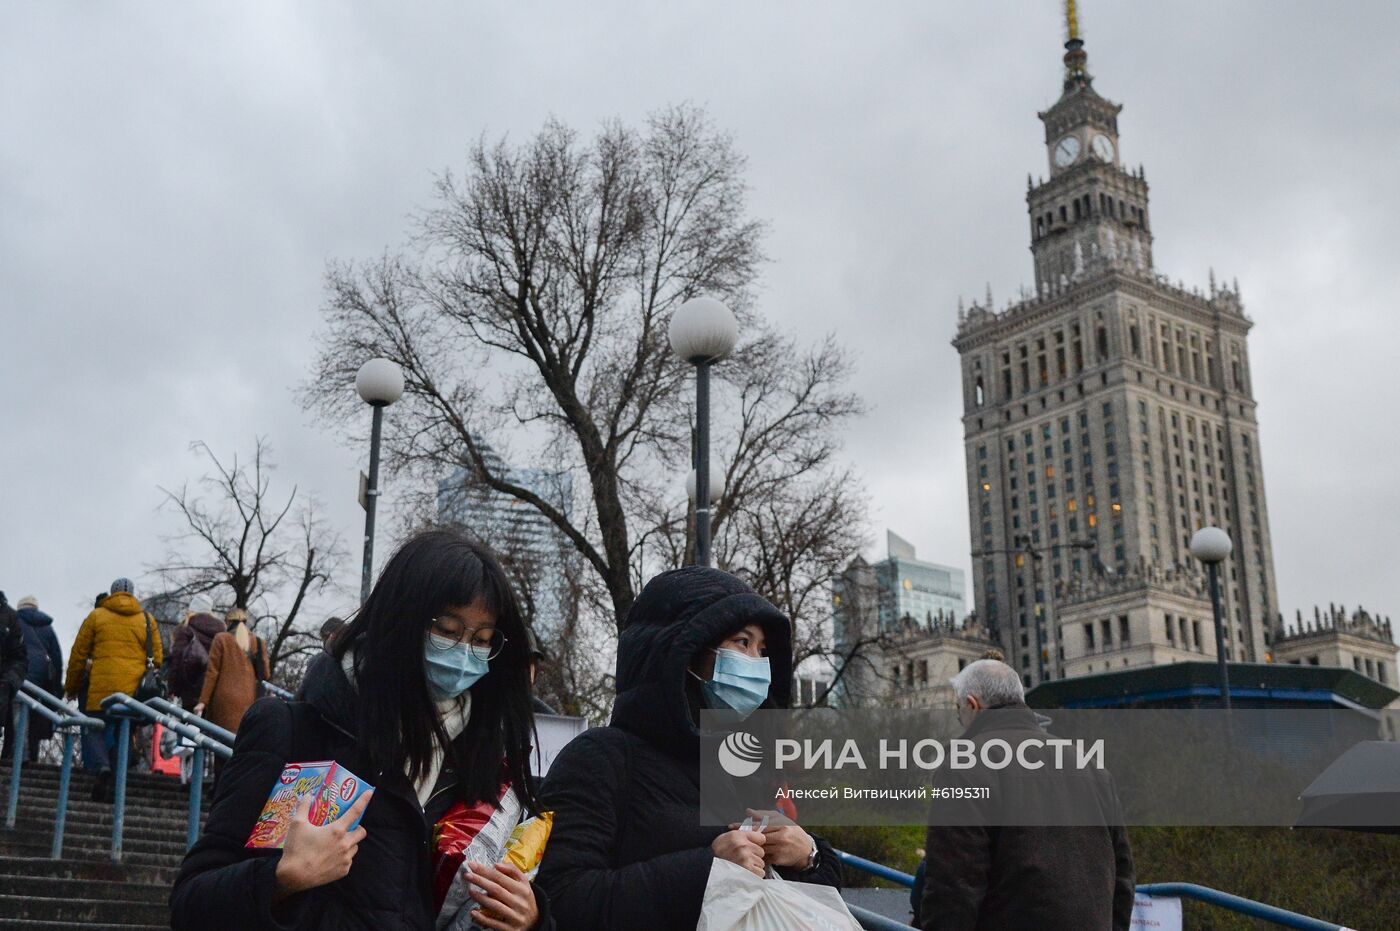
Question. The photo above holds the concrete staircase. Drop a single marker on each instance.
(85, 889)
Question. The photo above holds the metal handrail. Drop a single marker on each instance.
(876, 869)
(65, 720)
(873, 921)
(1234, 903)
(278, 691)
(125, 709)
(213, 730)
(1204, 894)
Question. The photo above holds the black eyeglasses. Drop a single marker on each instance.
(484, 642)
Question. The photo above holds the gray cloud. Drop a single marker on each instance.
(173, 181)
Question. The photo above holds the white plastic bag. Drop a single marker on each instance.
(737, 900)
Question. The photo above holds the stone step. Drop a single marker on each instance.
(91, 822)
(85, 870)
(85, 911)
(30, 924)
(53, 887)
(94, 854)
(133, 838)
(46, 773)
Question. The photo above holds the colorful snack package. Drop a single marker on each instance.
(452, 835)
(333, 786)
(527, 842)
(496, 843)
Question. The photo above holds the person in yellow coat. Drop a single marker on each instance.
(113, 637)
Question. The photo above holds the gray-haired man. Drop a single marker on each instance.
(983, 875)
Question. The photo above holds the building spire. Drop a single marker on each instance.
(1076, 59)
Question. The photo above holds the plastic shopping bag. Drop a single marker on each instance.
(737, 900)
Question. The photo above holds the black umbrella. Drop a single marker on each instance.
(1359, 791)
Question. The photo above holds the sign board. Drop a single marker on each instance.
(554, 731)
(364, 491)
(1155, 913)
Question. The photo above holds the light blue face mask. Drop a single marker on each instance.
(453, 670)
(739, 682)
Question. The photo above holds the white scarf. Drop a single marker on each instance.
(454, 713)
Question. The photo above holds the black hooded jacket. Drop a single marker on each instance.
(223, 886)
(628, 852)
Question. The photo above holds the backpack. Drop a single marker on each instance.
(187, 667)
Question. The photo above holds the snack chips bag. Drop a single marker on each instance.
(526, 846)
(333, 786)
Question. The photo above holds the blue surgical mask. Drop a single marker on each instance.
(453, 670)
(739, 682)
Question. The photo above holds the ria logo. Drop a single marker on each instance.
(290, 774)
(740, 754)
(347, 789)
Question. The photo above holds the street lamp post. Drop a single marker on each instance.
(1211, 545)
(379, 383)
(702, 332)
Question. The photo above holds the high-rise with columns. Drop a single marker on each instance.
(1107, 416)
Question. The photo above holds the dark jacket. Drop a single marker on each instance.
(627, 852)
(186, 684)
(224, 886)
(1039, 878)
(45, 655)
(14, 658)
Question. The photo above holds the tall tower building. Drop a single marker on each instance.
(1107, 417)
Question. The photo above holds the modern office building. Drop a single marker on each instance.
(902, 626)
(530, 546)
(1108, 415)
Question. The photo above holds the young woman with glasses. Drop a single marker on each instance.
(426, 696)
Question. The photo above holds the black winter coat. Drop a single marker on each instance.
(982, 877)
(14, 658)
(627, 852)
(45, 656)
(184, 685)
(223, 886)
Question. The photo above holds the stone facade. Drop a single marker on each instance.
(1107, 416)
(1359, 642)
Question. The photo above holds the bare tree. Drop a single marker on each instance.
(530, 311)
(258, 550)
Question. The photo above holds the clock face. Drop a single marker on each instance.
(1066, 151)
(1103, 148)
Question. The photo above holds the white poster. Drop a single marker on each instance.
(554, 731)
(1155, 913)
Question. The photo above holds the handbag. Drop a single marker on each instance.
(151, 685)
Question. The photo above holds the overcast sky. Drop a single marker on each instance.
(174, 177)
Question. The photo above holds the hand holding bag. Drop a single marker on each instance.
(737, 900)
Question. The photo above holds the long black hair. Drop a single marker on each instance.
(399, 726)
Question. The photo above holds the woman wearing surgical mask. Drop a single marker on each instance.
(628, 851)
(426, 697)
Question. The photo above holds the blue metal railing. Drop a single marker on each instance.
(277, 691)
(872, 921)
(1209, 896)
(126, 709)
(876, 869)
(1234, 903)
(68, 722)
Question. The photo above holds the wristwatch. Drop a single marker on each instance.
(812, 858)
